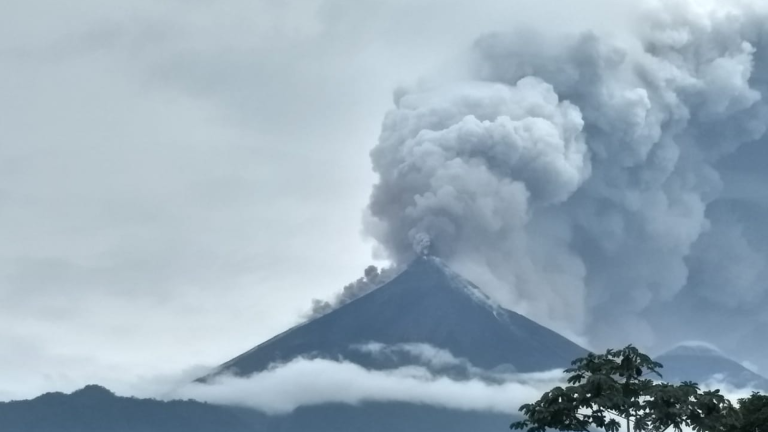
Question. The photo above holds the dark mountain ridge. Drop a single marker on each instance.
(96, 409)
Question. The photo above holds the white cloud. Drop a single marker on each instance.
(425, 354)
(304, 382)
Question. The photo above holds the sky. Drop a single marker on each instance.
(179, 179)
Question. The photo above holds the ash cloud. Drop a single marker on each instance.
(579, 178)
(372, 278)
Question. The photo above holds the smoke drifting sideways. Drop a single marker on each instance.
(581, 180)
(372, 279)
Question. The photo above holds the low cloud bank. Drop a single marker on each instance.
(428, 355)
(316, 381)
(306, 382)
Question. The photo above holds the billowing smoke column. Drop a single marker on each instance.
(577, 178)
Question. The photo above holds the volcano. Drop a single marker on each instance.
(426, 304)
(702, 363)
(427, 310)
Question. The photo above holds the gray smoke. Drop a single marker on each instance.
(580, 178)
(372, 279)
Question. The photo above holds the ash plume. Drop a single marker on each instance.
(580, 178)
(372, 278)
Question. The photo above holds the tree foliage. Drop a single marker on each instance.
(753, 413)
(615, 391)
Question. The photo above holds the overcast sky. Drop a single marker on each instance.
(178, 179)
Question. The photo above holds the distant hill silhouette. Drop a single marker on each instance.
(700, 363)
(96, 409)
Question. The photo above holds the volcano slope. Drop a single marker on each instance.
(427, 304)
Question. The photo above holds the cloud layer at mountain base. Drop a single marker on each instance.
(307, 382)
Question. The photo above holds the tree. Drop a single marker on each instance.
(614, 390)
(753, 412)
